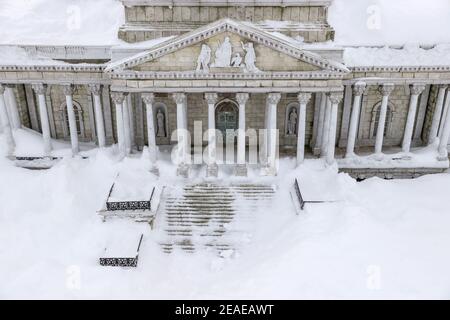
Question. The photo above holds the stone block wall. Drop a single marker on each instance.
(150, 22)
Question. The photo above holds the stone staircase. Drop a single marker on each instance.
(213, 216)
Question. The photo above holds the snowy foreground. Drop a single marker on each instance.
(384, 239)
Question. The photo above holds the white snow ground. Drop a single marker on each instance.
(385, 239)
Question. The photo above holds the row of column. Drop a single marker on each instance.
(440, 127)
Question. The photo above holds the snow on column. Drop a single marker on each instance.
(416, 90)
(68, 92)
(303, 99)
(13, 109)
(385, 91)
(41, 90)
(358, 90)
(445, 136)
(182, 135)
(326, 127)
(335, 99)
(118, 99)
(4, 122)
(437, 115)
(96, 90)
(127, 124)
(149, 99)
(323, 104)
(241, 167)
(212, 168)
(272, 102)
(444, 113)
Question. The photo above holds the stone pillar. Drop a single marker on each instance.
(212, 168)
(322, 110)
(385, 91)
(68, 92)
(241, 167)
(326, 127)
(443, 139)
(437, 116)
(13, 109)
(358, 90)
(303, 99)
(127, 124)
(272, 102)
(183, 144)
(335, 99)
(149, 99)
(41, 90)
(4, 122)
(118, 99)
(416, 90)
(96, 91)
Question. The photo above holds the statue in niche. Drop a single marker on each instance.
(204, 58)
(250, 57)
(223, 54)
(160, 124)
(237, 60)
(292, 122)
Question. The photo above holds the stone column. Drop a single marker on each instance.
(68, 92)
(13, 109)
(41, 90)
(272, 102)
(358, 90)
(326, 127)
(241, 167)
(96, 91)
(118, 99)
(322, 110)
(127, 124)
(385, 91)
(4, 122)
(335, 98)
(444, 137)
(303, 99)
(212, 168)
(149, 99)
(183, 144)
(437, 116)
(416, 90)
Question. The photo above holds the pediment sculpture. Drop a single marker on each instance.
(225, 58)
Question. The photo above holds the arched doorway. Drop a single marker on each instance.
(227, 116)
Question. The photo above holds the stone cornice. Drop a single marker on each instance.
(442, 68)
(226, 76)
(283, 3)
(244, 30)
(54, 68)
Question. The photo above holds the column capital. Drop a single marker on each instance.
(386, 89)
(416, 88)
(39, 88)
(442, 86)
(273, 97)
(95, 89)
(118, 97)
(304, 97)
(179, 97)
(335, 97)
(359, 88)
(148, 98)
(242, 97)
(68, 89)
(211, 97)
(2, 88)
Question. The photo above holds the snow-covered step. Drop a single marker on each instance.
(209, 216)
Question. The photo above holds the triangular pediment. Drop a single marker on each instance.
(227, 46)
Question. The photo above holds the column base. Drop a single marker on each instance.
(183, 170)
(316, 152)
(240, 170)
(154, 169)
(212, 170)
(269, 171)
(443, 157)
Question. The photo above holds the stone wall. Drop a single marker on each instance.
(150, 22)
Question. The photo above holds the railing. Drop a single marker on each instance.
(122, 262)
(299, 195)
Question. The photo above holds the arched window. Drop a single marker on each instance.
(376, 119)
(78, 119)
